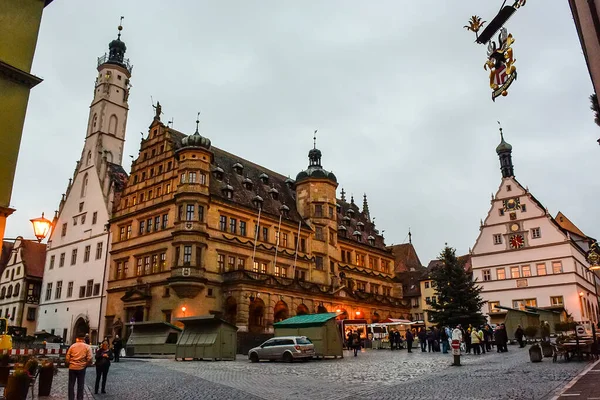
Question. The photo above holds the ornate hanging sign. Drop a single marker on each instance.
(500, 62)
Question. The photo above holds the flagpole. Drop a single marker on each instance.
(296, 253)
(256, 236)
(278, 239)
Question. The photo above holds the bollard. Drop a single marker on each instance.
(456, 352)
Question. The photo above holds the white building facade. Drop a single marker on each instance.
(73, 296)
(524, 257)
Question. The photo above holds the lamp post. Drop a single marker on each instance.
(41, 228)
(183, 310)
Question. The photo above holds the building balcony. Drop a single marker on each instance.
(187, 281)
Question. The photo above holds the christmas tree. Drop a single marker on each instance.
(458, 300)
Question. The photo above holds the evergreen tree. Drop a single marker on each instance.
(458, 296)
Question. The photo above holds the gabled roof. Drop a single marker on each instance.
(305, 321)
(465, 259)
(5, 254)
(567, 225)
(34, 257)
(405, 257)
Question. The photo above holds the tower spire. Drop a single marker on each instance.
(197, 122)
(365, 209)
(409, 236)
(343, 195)
(315, 139)
(120, 27)
(504, 151)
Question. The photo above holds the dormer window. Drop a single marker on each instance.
(238, 168)
(346, 220)
(371, 240)
(357, 235)
(274, 193)
(360, 226)
(342, 230)
(257, 201)
(264, 178)
(285, 210)
(247, 182)
(219, 173)
(338, 208)
(228, 191)
(290, 183)
(350, 212)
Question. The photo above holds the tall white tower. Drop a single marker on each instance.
(73, 290)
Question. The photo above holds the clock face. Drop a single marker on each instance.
(516, 241)
(514, 227)
(511, 204)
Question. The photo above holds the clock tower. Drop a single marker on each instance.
(525, 258)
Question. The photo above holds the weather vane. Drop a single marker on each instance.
(500, 62)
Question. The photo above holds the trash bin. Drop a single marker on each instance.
(547, 349)
(129, 351)
(535, 353)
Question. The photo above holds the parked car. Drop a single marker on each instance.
(286, 348)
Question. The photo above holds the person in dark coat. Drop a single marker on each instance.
(422, 335)
(103, 357)
(519, 333)
(430, 340)
(117, 346)
(87, 338)
(409, 340)
(355, 343)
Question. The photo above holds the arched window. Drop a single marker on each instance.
(112, 125)
(3, 292)
(84, 185)
(94, 123)
(9, 291)
(88, 159)
(17, 289)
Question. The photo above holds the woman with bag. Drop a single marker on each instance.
(103, 357)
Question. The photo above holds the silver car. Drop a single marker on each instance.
(286, 348)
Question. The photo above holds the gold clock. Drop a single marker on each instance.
(514, 227)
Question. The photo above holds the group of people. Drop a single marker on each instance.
(79, 357)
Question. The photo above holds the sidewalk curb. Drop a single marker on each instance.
(574, 380)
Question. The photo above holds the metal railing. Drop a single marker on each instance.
(105, 59)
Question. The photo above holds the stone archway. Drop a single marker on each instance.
(375, 318)
(231, 310)
(280, 311)
(302, 309)
(81, 327)
(342, 314)
(256, 314)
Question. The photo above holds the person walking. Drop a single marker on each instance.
(519, 333)
(103, 357)
(79, 356)
(117, 346)
(392, 339)
(355, 343)
(409, 340)
(468, 339)
(487, 337)
(422, 335)
(430, 343)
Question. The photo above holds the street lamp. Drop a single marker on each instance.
(183, 310)
(41, 227)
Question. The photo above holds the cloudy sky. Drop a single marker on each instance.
(396, 89)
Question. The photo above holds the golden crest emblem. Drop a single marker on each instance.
(500, 63)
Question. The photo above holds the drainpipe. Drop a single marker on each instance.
(103, 280)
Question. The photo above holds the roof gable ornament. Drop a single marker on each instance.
(343, 195)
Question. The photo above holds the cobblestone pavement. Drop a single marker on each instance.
(584, 387)
(374, 374)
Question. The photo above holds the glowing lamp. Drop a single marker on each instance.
(41, 227)
(357, 313)
(338, 310)
(580, 294)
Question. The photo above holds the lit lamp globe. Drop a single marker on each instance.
(41, 227)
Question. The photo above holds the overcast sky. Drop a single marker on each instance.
(396, 89)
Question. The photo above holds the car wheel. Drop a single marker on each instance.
(287, 357)
(254, 357)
